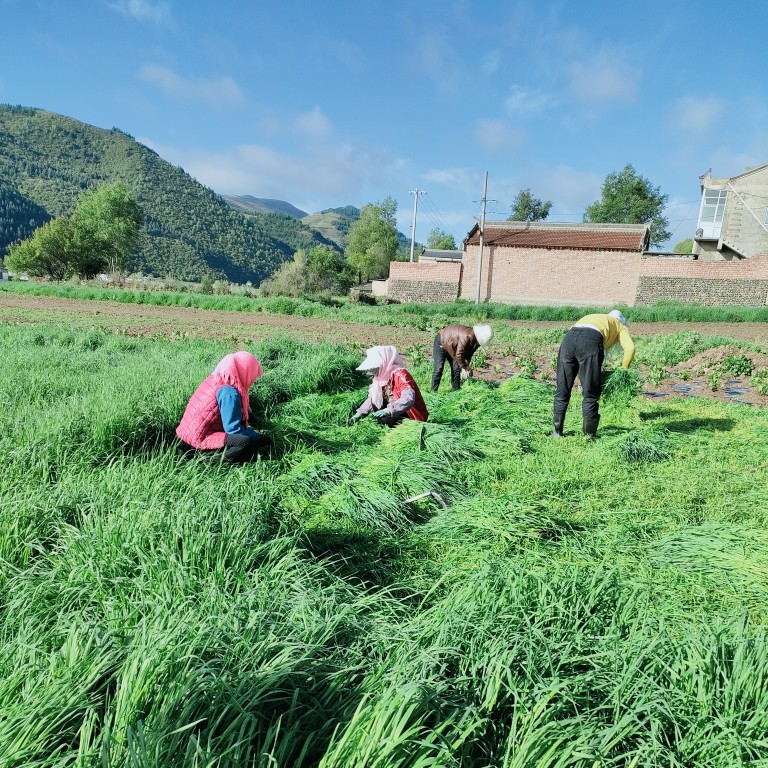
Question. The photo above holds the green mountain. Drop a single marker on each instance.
(333, 223)
(250, 204)
(47, 160)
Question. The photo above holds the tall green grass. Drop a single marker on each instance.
(542, 603)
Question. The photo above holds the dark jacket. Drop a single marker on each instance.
(460, 343)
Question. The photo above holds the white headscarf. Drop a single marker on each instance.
(385, 360)
(615, 313)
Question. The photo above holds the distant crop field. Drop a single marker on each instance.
(544, 603)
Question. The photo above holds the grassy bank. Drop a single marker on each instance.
(562, 603)
(421, 316)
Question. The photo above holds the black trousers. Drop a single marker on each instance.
(237, 450)
(582, 354)
(439, 359)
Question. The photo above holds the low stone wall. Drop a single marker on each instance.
(428, 283)
(707, 283)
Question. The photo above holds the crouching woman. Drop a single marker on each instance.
(393, 394)
(216, 417)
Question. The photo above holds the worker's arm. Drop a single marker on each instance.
(628, 346)
(231, 410)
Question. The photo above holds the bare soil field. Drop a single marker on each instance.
(691, 378)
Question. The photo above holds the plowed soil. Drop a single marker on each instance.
(691, 378)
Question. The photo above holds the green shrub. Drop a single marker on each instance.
(736, 365)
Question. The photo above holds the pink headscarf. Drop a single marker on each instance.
(238, 370)
(387, 361)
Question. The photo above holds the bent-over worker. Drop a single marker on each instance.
(456, 344)
(393, 394)
(582, 353)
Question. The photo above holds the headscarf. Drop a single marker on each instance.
(238, 370)
(615, 313)
(384, 360)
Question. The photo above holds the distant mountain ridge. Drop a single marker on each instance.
(250, 204)
(47, 160)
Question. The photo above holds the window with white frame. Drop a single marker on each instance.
(712, 210)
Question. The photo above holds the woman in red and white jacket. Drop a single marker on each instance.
(216, 416)
(393, 394)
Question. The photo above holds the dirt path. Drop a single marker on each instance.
(212, 323)
(246, 327)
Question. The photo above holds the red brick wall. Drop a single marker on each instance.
(543, 276)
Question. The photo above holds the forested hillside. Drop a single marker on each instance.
(47, 160)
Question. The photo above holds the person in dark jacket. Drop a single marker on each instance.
(216, 417)
(582, 353)
(393, 394)
(455, 345)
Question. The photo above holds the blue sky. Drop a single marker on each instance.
(332, 103)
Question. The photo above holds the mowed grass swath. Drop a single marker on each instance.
(563, 603)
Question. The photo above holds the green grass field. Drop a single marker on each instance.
(569, 603)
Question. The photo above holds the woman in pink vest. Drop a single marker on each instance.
(393, 394)
(216, 417)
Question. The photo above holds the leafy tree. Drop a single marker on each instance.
(372, 242)
(526, 207)
(440, 240)
(321, 272)
(628, 198)
(684, 246)
(388, 210)
(108, 223)
(52, 251)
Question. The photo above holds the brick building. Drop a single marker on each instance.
(595, 265)
(541, 262)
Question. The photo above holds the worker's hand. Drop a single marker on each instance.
(380, 414)
(466, 373)
(355, 417)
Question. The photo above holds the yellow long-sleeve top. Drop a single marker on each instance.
(613, 330)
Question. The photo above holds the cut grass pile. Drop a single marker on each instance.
(563, 602)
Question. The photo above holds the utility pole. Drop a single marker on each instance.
(415, 193)
(482, 232)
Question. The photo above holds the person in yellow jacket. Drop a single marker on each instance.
(582, 353)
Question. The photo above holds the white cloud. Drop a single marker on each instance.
(525, 103)
(496, 136)
(313, 123)
(604, 79)
(457, 178)
(697, 116)
(142, 10)
(308, 178)
(726, 163)
(214, 92)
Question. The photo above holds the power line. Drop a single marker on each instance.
(440, 220)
